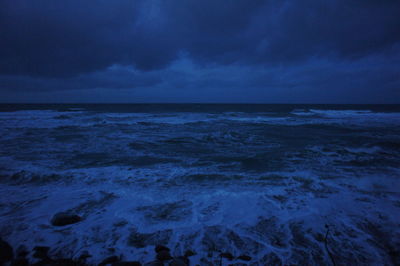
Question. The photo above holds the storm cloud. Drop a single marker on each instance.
(200, 51)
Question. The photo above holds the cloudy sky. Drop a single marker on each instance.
(277, 51)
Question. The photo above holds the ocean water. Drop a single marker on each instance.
(266, 181)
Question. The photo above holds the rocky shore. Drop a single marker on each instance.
(40, 256)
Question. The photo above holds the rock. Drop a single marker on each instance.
(40, 252)
(109, 260)
(227, 255)
(65, 218)
(22, 251)
(271, 259)
(127, 263)
(159, 248)
(206, 262)
(244, 257)
(181, 261)
(163, 255)
(6, 252)
(189, 253)
(63, 262)
(20, 262)
(84, 255)
(154, 263)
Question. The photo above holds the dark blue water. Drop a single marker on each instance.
(261, 180)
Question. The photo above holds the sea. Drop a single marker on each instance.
(283, 184)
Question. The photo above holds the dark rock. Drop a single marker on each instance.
(22, 251)
(154, 263)
(20, 262)
(163, 255)
(189, 253)
(184, 259)
(63, 262)
(127, 263)
(227, 255)
(109, 260)
(159, 248)
(40, 252)
(181, 261)
(244, 257)
(47, 262)
(206, 262)
(65, 218)
(271, 259)
(84, 255)
(6, 252)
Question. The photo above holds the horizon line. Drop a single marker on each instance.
(214, 103)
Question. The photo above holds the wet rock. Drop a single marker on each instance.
(181, 261)
(84, 256)
(205, 262)
(46, 262)
(189, 253)
(127, 263)
(63, 262)
(20, 262)
(109, 260)
(271, 259)
(160, 248)
(163, 255)
(65, 218)
(40, 252)
(244, 258)
(227, 255)
(154, 263)
(6, 252)
(22, 251)
(120, 223)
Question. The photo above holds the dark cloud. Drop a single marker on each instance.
(64, 38)
(61, 38)
(372, 79)
(331, 28)
(76, 45)
(115, 77)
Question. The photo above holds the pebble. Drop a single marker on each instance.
(65, 218)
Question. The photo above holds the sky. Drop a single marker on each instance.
(206, 51)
